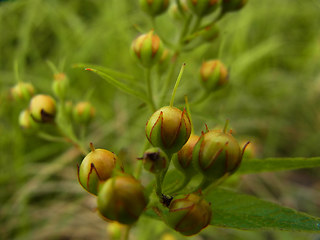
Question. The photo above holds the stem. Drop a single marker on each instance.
(51, 138)
(149, 89)
(196, 25)
(176, 85)
(204, 97)
(181, 185)
(16, 71)
(189, 113)
(159, 184)
(52, 67)
(125, 233)
(138, 169)
(226, 126)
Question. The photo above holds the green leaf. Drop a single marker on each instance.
(277, 164)
(234, 210)
(118, 84)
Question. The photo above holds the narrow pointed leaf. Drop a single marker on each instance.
(277, 164)
(234, 210)
(120, 85)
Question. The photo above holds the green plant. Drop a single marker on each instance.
(229, 209)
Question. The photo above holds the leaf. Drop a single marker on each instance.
(234, 210)
(118, 84)
(106, 70)
(277, 164)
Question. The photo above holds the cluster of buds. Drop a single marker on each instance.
(120, 197)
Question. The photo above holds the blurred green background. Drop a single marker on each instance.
(272, 49)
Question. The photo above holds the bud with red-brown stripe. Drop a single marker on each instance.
(122, 199)
(148, 49)
(189, 214)
(168, 128)
(213, 75)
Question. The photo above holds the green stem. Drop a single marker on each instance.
(201, 99)
(176, 85)
(196, 24)
(181, 185)
(149, 89)
(16, 71)
(52, 67)
(125, 233)
(159, 184)
(51, 138)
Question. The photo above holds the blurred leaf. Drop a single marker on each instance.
(277, 164)
(114, 82)
(234, 210)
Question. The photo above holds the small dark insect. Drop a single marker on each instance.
(166, 200)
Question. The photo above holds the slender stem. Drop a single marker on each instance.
(189, 113)
(159, 184)
(16, 71)
(126, 232)
(176, 85)
(201, 99)
(196, 24)
(149, 88)
(51, 138)
(226, 126)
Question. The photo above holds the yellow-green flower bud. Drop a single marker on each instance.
(233, 5)
(154, 7)
(122, 199)
(209, 33)
(189, 214)
(155, 160)
(83, 112)
(216, 154)
(43, 108)
(183, 159)
(203, 7)
(60, 85)
(213, 74)
(26, 121)
(22, 91)
(148, 49)
(97, 166)
(169, 128)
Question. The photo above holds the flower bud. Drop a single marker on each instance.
(148, 49)
(216, 154)
(43, 108)
(122, 199)
(155, 160)
(233, 5)
(60, 85)
(154, 7)
(210, 33)
(203, 7)
(175, 12)
(189, 214)
(83, 112)
(213, 74)
(22, 91)
(97, 166)
(169, 129)
(183, 159)
(26, 121)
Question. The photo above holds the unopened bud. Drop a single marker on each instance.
(43, 108)
(83, 112)
(97, 166)
(203, 7)
(26, 121)
(155, 160)
(122, 199)
(213, 74)
(216, 154)
(233, 5)
(189, 214)
(183, 159)
(22, 91)
(60, 85)
(169, 128)
(154, 7)
(147, 48)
